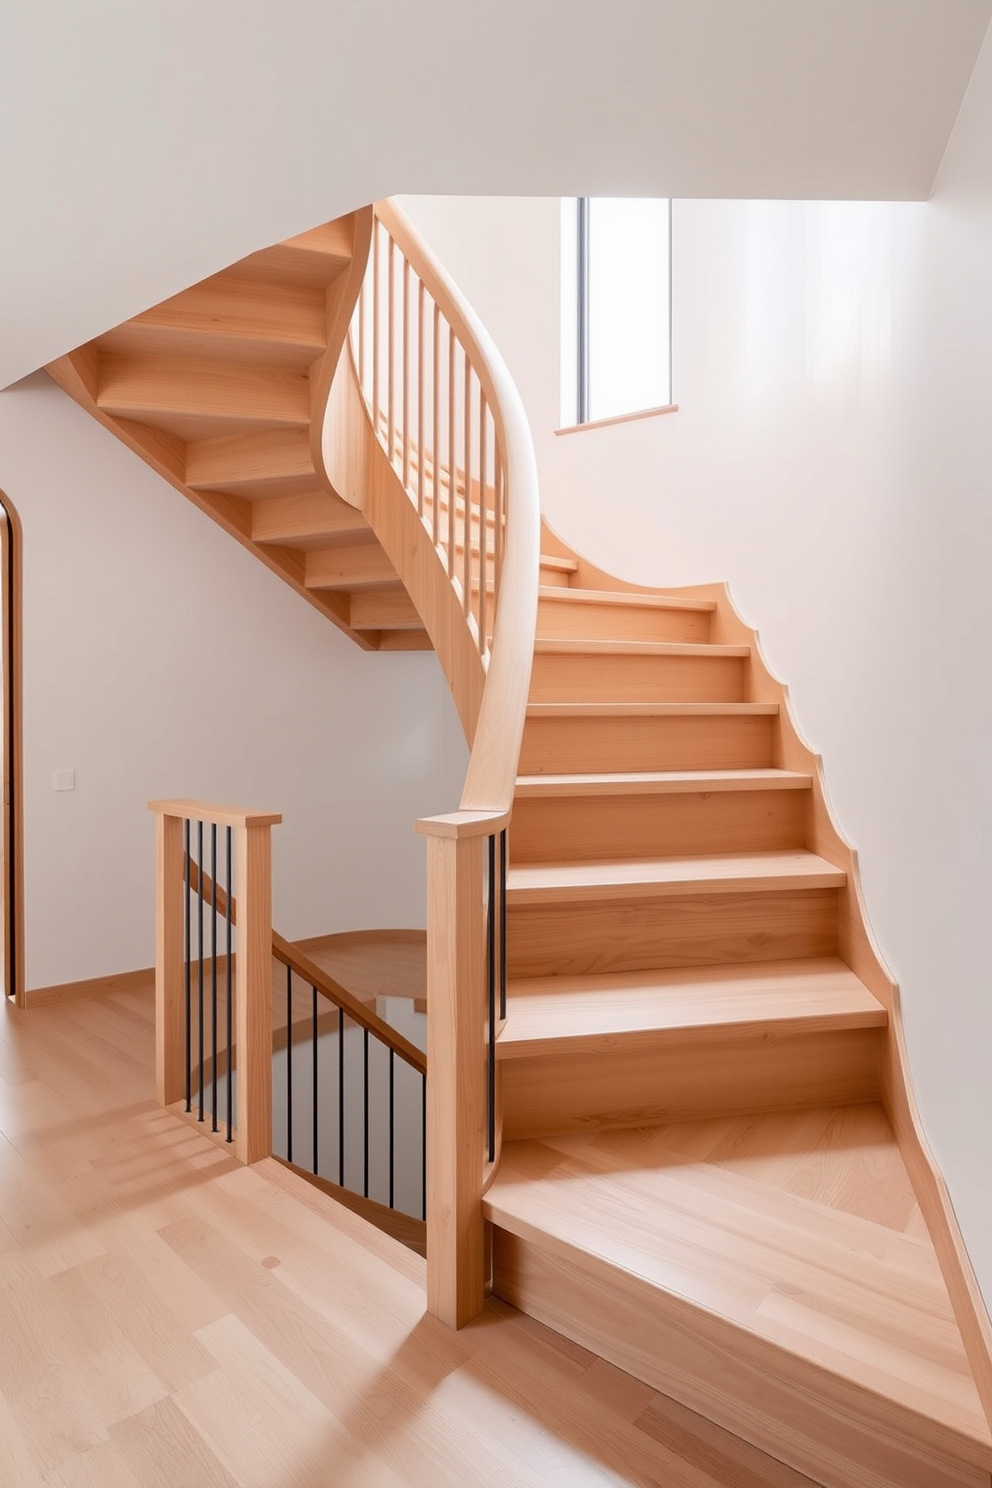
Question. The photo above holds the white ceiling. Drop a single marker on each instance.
(147, 143)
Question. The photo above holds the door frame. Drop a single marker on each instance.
(12, 854)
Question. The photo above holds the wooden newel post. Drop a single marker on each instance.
(456, 1061)
(251, 913)
(253, 996)
(170, 909)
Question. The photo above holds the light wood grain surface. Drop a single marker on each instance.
(171, 1320)
(847, 1319)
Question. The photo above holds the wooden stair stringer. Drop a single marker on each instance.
(360, 473)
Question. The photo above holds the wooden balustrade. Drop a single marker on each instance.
(248, 973)
(444, 470)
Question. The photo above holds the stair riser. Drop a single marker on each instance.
(572, 620)
(590, 745)
(840, 1435)
(637, 679)
(253, 465)
(662, 1082)
(691, 930)
(554, 578)
(186, 390)
(547, 829)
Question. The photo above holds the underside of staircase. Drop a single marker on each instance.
(215, 389)
(711, 1170)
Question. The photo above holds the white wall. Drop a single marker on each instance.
(161, 659)
(831, 459)
(147, 146)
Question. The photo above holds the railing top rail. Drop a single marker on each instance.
(290, 955)
(315, 976)
(210, 811)
(492, 770)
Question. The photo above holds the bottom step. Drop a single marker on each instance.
(820, 1336)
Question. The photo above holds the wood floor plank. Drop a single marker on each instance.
(17, 1464)
(101, 1466)
(709, 1447)
(292, 1338)
(162, 1448)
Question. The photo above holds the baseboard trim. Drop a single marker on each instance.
(118, 981)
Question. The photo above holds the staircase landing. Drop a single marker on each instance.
(777, 1260)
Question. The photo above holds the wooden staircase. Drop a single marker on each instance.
(216, 388)
(697, 1180)
(712, 1172)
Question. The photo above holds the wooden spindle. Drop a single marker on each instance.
(390, 359)
(406, 374)
(498, 503)
(376, 350)
(483, 522)
(435, 443)
(467, 461)
(421, 391)
(451, 453)
(361, 338)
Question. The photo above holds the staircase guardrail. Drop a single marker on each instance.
(446, 474)
(353, 1110)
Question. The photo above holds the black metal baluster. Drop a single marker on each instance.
(491, 989)
(228, 916)
(314, 1077)
(341, 1097)
(289, 1064)
(199, 968)
(502, 922)
(423, 1138)
(365, 1056)
(213, 967)
(188, 974)
(392, 1109)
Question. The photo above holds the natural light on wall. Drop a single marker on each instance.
(615, 307)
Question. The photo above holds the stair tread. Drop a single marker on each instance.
(660, 782)
(535, 883)
(548, 1014)
(624, 597)
(650, 710)
(842, 1292)
(554, 646)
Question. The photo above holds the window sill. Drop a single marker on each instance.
(620, 418)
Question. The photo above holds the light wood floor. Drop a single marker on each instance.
(170, 1320)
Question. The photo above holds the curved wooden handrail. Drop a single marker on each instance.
(492, 703)
(492, 769)
(424, 430)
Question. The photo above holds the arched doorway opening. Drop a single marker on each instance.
(11, 834)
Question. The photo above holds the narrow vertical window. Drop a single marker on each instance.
(616, 307)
